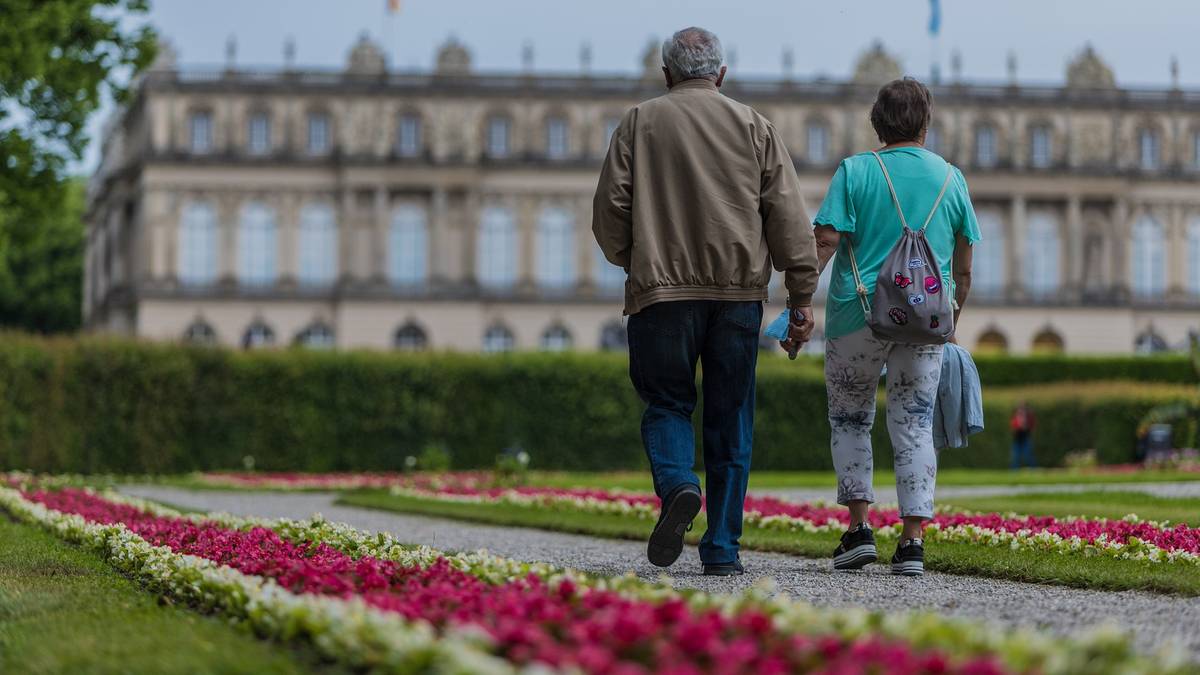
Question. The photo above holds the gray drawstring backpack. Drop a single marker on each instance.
(910, 305)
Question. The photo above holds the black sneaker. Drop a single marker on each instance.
(909, 559)
(678, 510)
(857, 549)
(731, 569)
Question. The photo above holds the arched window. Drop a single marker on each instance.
(410, 338)
(1149, 342)
(817, 137)
(1149, 265)
(408, 246)
(558, 137)
(992, 341)
(555, 249)
(496, 257)
(933, 140)
(1149, 150)
(198, 245)
(1042, 255)
(258, 334)
(1047, 342)
(256, 245)
(498, 142)
(985, 146)
(200, 332)
(498, 338)
(318, 245)
(408, 135)
(319, 139)
(613, 337)
(556, 339)
(316, 336)
(1040, 149)
(610, 279)
(258, 133)
(1193, 257)
(988, 268)
(200, 130)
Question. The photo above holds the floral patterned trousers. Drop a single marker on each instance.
(853, 364)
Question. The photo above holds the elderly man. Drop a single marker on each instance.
(697, 199)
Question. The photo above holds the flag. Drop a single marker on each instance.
(935, 17)
(393, 6)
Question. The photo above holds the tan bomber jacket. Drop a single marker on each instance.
(698, 198)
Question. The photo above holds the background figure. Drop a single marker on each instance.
(1022, 424)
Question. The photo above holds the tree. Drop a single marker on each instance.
(58, 59)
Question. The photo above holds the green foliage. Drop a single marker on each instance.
(100, 405)
(1004, 371)
(41, 273)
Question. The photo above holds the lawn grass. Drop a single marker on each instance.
(1099, 504)
(63, 610)
(957, 558)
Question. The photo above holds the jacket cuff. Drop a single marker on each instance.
(800, 299)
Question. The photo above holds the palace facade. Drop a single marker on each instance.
(450, 209)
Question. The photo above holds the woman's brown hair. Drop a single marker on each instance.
(902, 110)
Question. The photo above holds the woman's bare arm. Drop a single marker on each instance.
(827, 244)
(961, 266)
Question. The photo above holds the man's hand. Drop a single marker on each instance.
(800, 328)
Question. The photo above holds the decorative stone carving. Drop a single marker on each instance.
(1089, 71)
(876, 66)
(366, 57)
(453, 58)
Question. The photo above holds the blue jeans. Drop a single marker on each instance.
(1022, 452)
(666, 340)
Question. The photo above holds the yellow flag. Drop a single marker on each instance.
(393, 6)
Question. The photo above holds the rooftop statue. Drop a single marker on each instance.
(453, 58)
(1089, 71)
(366, 57)
(876, 66)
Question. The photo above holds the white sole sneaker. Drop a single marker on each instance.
(856, 558)
(909, 568)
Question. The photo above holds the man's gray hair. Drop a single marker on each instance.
(693, 53)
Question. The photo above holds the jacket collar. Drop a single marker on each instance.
(695, 83)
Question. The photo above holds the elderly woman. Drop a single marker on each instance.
(859, 211)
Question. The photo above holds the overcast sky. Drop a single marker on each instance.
(1137, 37)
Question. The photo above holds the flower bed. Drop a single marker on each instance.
(370, 602)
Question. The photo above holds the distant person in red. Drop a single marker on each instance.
(1022, 425)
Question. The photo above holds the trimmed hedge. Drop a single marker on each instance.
(98, 405)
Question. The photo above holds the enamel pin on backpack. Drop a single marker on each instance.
(910, 305)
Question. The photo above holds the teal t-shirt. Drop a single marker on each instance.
(859, 206)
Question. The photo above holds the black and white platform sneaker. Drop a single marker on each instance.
(909, 559)
(857, 549)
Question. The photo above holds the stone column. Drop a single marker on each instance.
(469, 232)
(379, 251)
(1074, 248)
(585, 267)
(1120, 282)
(1176, 242)
(287, 248)
(228, 216)
(527, 214)
(439, 239)
(1015, 255)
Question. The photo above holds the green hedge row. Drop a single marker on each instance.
(95, 405)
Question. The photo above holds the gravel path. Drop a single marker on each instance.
(1155, 620)
(888, 495)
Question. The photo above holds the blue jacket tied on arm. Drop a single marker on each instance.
(958, 412)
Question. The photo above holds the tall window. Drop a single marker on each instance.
(410, 338)
(818, 142)
(201, 131)
(408, 246)
(1193, 257)
(933, 140)
(610, 127)
(498, 132)
(318, 133)
(1039, 147)
(1042, 255)
(985, 146)
(1149, 152)
(498, 338)
(316, 336)
(256, 245)
(555, 249)
(318, 245)
(988, 269)
(556, 339)
(1149, 263)
(408, 135)
(198, 245)
(496, 254)
(258, 334)
(557, 138)
(259, 136)
(1196, 149)
(610, 279)
(614, 337)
